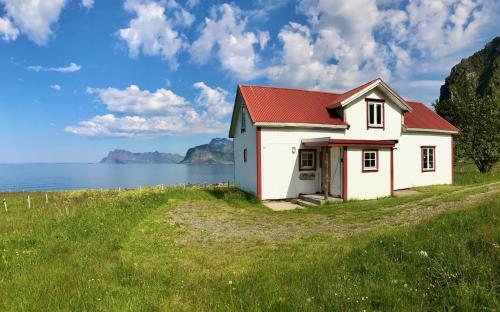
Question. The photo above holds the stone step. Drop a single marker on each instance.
(304, 203)
(313, 200)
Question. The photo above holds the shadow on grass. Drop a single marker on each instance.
(234, 196)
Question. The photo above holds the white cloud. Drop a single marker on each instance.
(192, 3)
(134, 112)
(345, 43)
(55, 87)
(71, 68)
(214, 99)
(88, 3)
(33, 17)
(8, 31)
(137, 101)
(150, 32)
(225, 32)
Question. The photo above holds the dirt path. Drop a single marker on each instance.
(206, 223)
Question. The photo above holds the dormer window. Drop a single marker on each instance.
(243, 118)
(375, 113)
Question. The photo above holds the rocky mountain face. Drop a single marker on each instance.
(218, 151)
(125, 157)
(477, 75)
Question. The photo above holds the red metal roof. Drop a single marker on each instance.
(270, 104)
(284, 105)
(422, 117)
(344, 96)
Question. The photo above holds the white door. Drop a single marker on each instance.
(336, 174)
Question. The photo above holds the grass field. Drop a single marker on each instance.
(220, 249)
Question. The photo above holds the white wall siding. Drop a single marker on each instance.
(245, 173)
(368, 185)
(355, 116)
(407, 160)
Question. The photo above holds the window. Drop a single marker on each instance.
(375, 113)
(243, 118)
(245, 155)
(370, 160)
(428, 158)
(307, 159)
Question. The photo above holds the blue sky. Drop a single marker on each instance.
(82, 77)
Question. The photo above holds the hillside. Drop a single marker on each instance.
(218, 151)
(478, 74)
(119, 156)
(219, 249)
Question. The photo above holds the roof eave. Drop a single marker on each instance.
(409, 129)
(299, 125)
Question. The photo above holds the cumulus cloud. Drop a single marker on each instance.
(8, 31)
(55, 87)
(224, 32)
(134, 112)
(88, 3)
(214, 99)
(345, 43)
(137, 101)
(33, 18)
(71, 68)
(151, 32)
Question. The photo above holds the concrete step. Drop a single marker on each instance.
(315, 200)
(304, 203)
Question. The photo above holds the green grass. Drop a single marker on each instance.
(220, 249)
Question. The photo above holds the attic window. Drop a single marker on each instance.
(243, 118)
(374, 113)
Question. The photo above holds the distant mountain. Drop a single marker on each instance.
(218, 151)
(119, 156)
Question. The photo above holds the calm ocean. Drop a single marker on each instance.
(51, 177)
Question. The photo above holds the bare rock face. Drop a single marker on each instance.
(125, 157)
(218, 151)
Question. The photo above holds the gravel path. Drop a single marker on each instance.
(208, 223)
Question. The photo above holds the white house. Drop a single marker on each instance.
(361, 144)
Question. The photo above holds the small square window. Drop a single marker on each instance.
(307, 160)
(370, 160)
(245, 156)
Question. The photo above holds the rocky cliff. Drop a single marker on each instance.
(218, 151)
(125, 157)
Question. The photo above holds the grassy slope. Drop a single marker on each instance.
(220, 250)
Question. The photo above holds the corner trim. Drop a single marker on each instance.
(259, 165)
(344, 174)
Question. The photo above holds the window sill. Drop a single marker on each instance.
(369, 170)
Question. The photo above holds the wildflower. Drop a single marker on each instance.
(405, 285)
(230, 282)
(423, 253)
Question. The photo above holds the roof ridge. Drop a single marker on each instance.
(290, 88)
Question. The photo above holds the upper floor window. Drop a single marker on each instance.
(375, 113)
(307, 159)
(243, 118)
(370, 160)
(428, 158)
(245, 156)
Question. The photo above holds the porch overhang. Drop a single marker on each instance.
(345, 142)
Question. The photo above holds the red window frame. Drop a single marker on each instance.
(363, 169)
(382, 104)
(433, 148)
(300, 160)
(245, 156)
